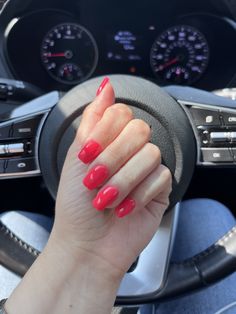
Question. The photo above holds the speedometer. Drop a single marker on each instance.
(69, 53)
(180, 55)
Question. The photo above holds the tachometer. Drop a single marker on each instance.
(69, 53)
(180, 55)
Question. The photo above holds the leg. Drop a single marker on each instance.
(201, 223)
(33, 229)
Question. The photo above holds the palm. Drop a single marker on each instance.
(124, 239)
(118, 241)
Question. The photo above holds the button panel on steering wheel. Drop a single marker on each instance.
(215, 129)
(19, 137)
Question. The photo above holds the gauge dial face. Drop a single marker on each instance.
(180, 55)
(69, 53)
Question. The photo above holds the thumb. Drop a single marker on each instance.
(94, 111)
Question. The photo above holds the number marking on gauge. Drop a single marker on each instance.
(69, 53)
(180, 55)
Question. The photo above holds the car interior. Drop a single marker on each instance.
(172, 61)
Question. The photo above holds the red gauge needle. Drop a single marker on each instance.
(59, 54)
(167, 64)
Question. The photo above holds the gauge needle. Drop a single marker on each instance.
(59, 54)
(167, 64)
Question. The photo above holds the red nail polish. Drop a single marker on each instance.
(90, 151)
(103, 84)
(96, 176)
(105, 197)
(125, 207)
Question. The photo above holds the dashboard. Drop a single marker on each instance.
(59, 44)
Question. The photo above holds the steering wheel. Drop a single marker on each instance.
(191, 127)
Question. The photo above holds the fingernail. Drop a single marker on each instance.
(90, 151)
(96, 176)
(125, 208)
(103, 84)
(105, 197)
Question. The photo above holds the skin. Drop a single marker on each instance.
(89, 251)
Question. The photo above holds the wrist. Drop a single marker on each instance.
(91, 283)
(62, 281)
(88, 252)
(74, 254)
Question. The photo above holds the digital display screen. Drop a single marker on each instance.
(124, 45)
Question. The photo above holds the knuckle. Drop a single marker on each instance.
(113, 156)
(128, 178)
(166, 174)
(121, 110)
(142, 129)
(88, 109)
(153, 151)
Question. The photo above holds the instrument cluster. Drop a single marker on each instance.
(194, 50)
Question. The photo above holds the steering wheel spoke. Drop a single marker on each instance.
(20, 132)
(213, 119)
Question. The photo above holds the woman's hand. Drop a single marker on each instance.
(118, 174)
(112, 195)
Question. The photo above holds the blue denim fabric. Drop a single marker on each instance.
(201, 223)
(33, 229)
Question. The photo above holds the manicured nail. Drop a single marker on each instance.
(96, 176)
(125, 208)
(90, 151)
(103, 84)
(105, 197)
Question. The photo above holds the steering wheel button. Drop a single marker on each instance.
(5, 131)
(17, 148)
(233, 136)
(2, 150)
(20, 165)
(27, 128)
(217, 137)
(205, 117)
(217, 155)
(229, 118)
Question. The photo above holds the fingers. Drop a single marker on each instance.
(113, 121)
(122, 163)
(153, 193)
(94, 112)
(158, 181)
(128, 177)
(133, 137)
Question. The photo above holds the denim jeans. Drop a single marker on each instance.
(201, 223)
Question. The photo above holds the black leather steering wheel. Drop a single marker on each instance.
(191, 127)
